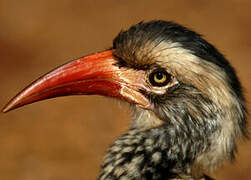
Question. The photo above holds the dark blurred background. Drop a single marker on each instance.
(66, 138)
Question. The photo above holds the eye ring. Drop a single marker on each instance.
(160, 78)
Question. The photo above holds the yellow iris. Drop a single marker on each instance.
(160, 77)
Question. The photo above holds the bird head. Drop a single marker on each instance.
(170, 76)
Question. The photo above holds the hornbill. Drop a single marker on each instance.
(187, 104)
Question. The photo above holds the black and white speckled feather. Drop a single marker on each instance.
(158, 153)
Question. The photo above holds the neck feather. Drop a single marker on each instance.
(157, 153)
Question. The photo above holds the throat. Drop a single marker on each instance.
(149, 154)
(144, 119)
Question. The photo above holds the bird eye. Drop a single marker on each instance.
(159, 78)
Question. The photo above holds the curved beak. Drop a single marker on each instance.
(94, 74)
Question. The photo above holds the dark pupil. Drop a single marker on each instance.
(159, 75)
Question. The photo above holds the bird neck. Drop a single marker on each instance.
(156, 153)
